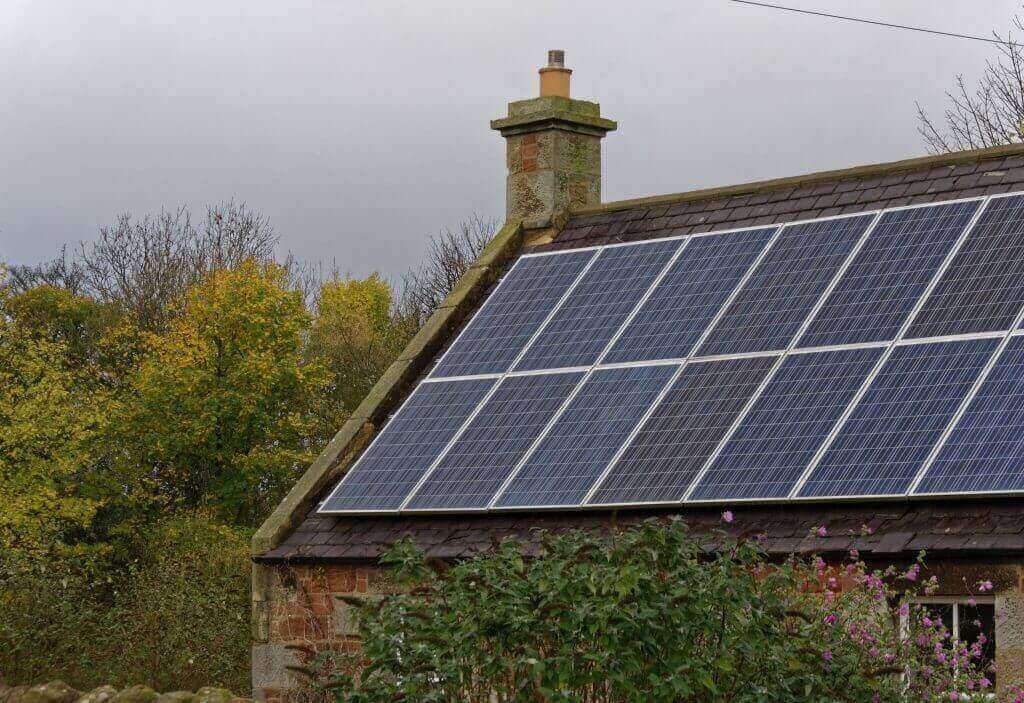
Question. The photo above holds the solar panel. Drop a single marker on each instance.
(689, 422)
(785, 286)
(580, 444)
(512, 314)
(686, 300)
(598, 306)
(900, 418)
(888, 275)
(786, 424)
(404, 450)
(983, 288)
(985, 451)
(491, 446)
(669, 371)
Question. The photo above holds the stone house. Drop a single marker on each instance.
(965, 509)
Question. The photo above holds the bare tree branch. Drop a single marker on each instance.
(449, 255)
(989, 115)
(145, 265)
(60, 272)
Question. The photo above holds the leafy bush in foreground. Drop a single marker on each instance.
(652, 614)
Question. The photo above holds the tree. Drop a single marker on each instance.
(990, 114)
(449, 255)
(145, 265)
(356, 334)
(62, 272)
(224, 405)
(160, 389)
(49, 409)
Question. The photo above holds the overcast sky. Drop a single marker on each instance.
(361, 126)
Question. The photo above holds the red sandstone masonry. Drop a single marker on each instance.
(305, 611)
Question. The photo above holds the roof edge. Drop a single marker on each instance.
(855, 172)
(364, 421)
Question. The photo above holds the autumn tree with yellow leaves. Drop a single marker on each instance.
(160, 391)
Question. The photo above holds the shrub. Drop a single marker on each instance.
(650, 614)
(176, 618)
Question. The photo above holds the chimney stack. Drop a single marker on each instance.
(553, 146)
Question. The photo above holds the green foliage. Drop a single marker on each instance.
(223, 406)
(185, 610)
(356, 335)
(176, 617)
(649, 614)
(135, 459)
(48, 412)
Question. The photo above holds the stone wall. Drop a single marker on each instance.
(300, 614)
(60, 692)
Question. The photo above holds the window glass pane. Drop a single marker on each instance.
(977, 622)
(941, 612)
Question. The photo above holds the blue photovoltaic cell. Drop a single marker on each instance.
(586, 436)
(512, 314)
(785, 286)
(786, 425)
(689, 422)
(985, 451)
(408, 445)
(494, 441)
(598, 306)
(898, 421)
(889, 274)
(983, 288)
(686, 300)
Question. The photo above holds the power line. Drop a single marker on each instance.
(878, 23)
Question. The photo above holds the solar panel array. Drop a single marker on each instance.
(875, 354)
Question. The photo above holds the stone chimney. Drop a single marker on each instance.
(553, 148)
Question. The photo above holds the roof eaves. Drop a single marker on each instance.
(855, 173)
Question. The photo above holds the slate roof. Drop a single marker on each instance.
(941, 528)
(812, 199)
(990, 526)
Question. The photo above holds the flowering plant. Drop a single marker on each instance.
(652, 613)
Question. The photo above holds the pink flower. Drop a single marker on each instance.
(985, 586)
(954, 696)
(727, 516)
(830, 619)
(827, 655)
(984, 682)
(971, 602)
(821, 531)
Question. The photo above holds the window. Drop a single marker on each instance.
(967, 620)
